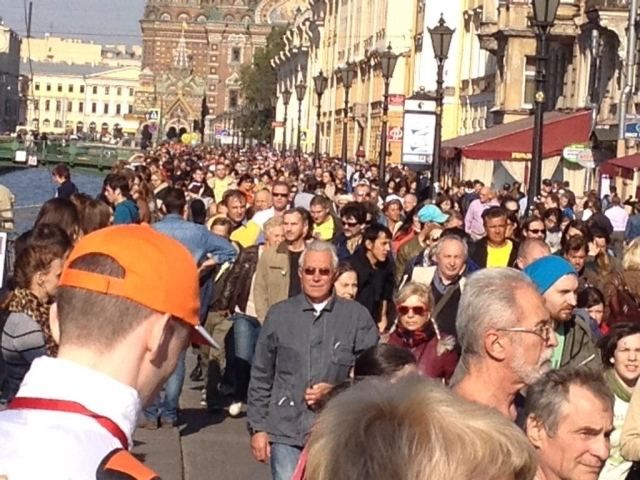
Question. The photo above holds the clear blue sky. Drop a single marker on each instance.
(103, 21)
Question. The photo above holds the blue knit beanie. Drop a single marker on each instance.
(546, 271)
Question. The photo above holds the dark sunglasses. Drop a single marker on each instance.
(281, 195)
(310, 271)
(537, 231)
(418, 310)
(350, 224)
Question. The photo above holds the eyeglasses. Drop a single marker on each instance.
(281, 195)
(350, 224)
(544, 331)
(311, 271)
(419, 310)
(537, 231)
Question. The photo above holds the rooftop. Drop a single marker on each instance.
(46, 68)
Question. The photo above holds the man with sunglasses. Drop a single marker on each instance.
(557, 282)
(533, 228)
(506, 337)
(353, 216)
(307, 345)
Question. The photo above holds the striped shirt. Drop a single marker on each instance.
(22, 341)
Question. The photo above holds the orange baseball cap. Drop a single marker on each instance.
(160, 273)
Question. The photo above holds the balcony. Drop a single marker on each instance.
(607, 4)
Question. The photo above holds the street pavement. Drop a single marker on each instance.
(202, 447)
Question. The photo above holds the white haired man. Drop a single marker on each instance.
(506, 336)
(289, 375)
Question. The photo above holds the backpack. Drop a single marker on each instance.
(623, 305)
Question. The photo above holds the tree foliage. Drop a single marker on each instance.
(259, 87)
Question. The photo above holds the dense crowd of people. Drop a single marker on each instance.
(368, 327)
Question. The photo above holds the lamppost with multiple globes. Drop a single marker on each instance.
(387, 61)
(348, 74)
(320, 83)
(301, 89)
(286, 96)
(441, 36)
(544, 14)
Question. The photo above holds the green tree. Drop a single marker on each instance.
(259, 88)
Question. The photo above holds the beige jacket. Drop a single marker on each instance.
(272, 279)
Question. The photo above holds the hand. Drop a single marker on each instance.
(260, 447)
(382, 325)
(209, 262)
(314, 394)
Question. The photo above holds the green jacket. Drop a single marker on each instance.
(580, 342)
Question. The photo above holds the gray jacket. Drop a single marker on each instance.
(297, 349)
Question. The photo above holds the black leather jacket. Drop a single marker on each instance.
(236, 290)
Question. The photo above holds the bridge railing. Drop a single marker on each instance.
(83, 154)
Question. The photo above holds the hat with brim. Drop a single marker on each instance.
(159, 272)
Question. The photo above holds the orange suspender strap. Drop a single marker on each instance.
(121, 464)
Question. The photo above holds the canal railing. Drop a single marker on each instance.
(75, 154)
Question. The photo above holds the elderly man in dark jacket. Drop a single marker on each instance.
(307, 345)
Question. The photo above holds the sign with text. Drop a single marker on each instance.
(632, 126)
(419, 128)
(395, 134)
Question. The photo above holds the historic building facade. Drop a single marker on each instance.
(193, 51)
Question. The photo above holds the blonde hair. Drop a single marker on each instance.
(631, 258)
(414, 288)
(417, 430)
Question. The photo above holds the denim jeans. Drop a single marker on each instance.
(166, 407)
(284, 459)
(245, 335)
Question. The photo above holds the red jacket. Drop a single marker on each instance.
(424, 347)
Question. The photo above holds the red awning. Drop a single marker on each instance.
(621, 166)
(514, 140)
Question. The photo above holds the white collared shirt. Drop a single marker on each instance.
(60, 445)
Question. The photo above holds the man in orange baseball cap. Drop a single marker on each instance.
(127, 305)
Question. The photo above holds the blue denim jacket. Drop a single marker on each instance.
(198, 240)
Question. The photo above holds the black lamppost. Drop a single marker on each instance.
(348, 74)
(301, 89)
(387, 61)
(441, 36)
(320, 82)
(286, 96)
(544, 14)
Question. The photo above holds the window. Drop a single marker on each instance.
(57, 124)
(47, 105)
(94, 107)
(69, 106)
(58, 106)
(48, 87)
(130, 109)
(233, 98)
(118, 109)
(529, 82)
(106, 90)
(70, 88)
(105, 109)
(37, 86)
(81, 88)
(80, 107)
(235, 55)
(95, 90)
(36, 105)
(59, 87)
(118, 91)
(131, 92)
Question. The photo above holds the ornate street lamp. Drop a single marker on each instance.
(348, 74)
(544, 14)
(387, 61)
(320, 83)
(301, 89)
(441, 36)
(286, 96)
